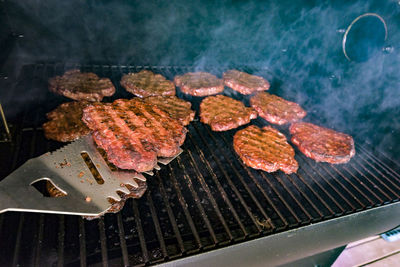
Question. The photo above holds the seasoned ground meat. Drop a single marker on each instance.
(199, 83)
(322, 144)
(245, 83)
(65, 122)
(265, 149)
(81, 86)
(275, 109)
(133, 133)
(146, 83)
(177, 108)
(223, 113)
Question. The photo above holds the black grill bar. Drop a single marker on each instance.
(121, 233)
(157, 225)
(82, 242)
(61, 240)
(220, 188)
(240, 177)
(205, 199)
(103, 242)
(186, 211)
(197, 201)
(210, 196)
(39, 241)
(140, 232)
(171, 216)
(232, 185)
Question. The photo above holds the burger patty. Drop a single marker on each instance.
(265, 149)
(177, 108)
(81, 86)
(275, 109)
(65, 122)
(145, 83)
(199, 83)
(322, 144)
(223, 113)
(245, 83)
(133, 133)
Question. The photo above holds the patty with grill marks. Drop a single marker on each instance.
(146, 83)
(275, 109)
(81, 86)
(65, 122)
(133, 133)
(199, 83)
(223, 113)
(245, 83)
(265, 149)
(177, 108)
(322, 144)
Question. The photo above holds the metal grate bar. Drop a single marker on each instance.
(320, 198)
(342, 186)
(82, 242)
(39, 240)
(197, 201)
(281, 198)
(139, 228)
(103, 242)
(371, 202)
(277, 177)
(363, 184)
(170, 214)
(185, 210)
(382, 161)
(220, 188)
(374, 185)
(262, 190)
(156, 224)
(122, 240)
(238, 175)
(304, 162)
(384, 167)
(231, 184)
(208, 192)
(18, 239)
(61, 238)
(303, 194)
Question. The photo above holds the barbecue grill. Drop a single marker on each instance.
(205, 207)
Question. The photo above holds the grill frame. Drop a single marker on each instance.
(217, 238)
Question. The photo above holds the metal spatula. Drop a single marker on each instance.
(68, 170)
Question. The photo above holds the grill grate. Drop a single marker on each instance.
(205, 199)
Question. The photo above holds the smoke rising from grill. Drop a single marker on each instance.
(298, 43)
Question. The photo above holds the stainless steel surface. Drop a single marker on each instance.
(67, 170)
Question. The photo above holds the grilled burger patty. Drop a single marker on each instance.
(81, 86)
(133, 133)
(146, 83)
(322, 144)
(223, 113)
(199, 83)
(244, 83)
(177, 108)
(65, 122)
(265, 149)
(275, 109)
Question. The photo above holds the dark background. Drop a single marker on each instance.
(299, 42)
